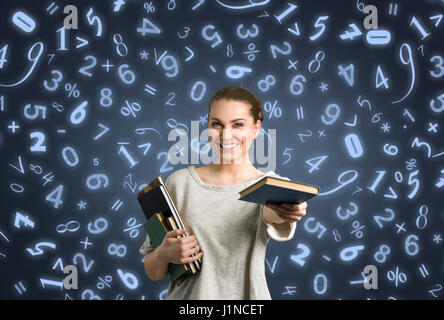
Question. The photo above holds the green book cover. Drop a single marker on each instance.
(156, 231)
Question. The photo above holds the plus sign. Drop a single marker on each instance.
(107, 65)
(13, 126)
(86, 243)
(118, 4)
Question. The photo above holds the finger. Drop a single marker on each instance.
(295, 206)
(188, 239)
(191, 251)
(189, 245)
(174, 233)
(284, 215)
(193, 258)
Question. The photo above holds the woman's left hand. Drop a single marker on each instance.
(290, 212)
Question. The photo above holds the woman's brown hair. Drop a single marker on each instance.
(240, 94)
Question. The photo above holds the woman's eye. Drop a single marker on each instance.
(214, 123)
(240, 124)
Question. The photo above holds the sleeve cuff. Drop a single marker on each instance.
(147, 246)
(278, 234)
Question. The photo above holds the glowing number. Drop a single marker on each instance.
(164, 168)
(56, 80)
(423, 210)
(417, 143)
(319, 24)
(94, 181)
(119, 44)
(275, 49)
(316, 283)
(441, 107)
(36, 113)
(84, 69)
(354, 146)
(148, 27)
(361, 103)
(299, 258)
(419, 27)
(348, 73)
(3, 58)
(89, 293)
(62, 31)
(264, 85)
(296, 83)
(62, 228)
(350, 253)
(317, 227)
(125, 152)
(411, 247)
(55, 196)
(381, 255)
(342, 184)
(250, 33)
(377, 180)
(31, 59)
(172, 67)
(237, 72)
(351, 35)
(38, 146)
(16, 188)
(391, 150)
(381, 79)
(94, 20)
(438, 65)
(351, 211)
(119, 250)
(96, 228)
(129, 280)
(127, 76)
(75, 160)
(391, 216)
(200, 87)
(215, 36)
(38, 248)
(413, 181)
(105, 97)
(79, 113)
(315, 162)
(279, 18)
(409, 61)
(316, 60)
(82, 257)
(332, 112)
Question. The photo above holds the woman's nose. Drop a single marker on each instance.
(227, 135)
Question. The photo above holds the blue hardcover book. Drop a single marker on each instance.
(270, 189)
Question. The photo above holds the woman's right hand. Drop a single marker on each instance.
(179, 250)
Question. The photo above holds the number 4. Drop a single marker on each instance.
(55, 196)
(381, 79)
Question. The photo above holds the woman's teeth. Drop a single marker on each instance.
(228, 146)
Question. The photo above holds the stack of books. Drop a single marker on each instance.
(162, 217)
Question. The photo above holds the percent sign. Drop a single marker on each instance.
(251, 53)
(357, 229)
(71, 88)
(397, 276)
(130, 109)
(132, 228)
(149, 7)
(410, 164)
(273, 110)
(102, 283)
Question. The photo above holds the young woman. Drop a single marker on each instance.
(229, 235)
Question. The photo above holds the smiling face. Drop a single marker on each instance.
(231, 130)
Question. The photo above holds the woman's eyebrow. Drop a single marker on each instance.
(231, 120)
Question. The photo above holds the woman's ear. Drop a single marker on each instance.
(257, 129)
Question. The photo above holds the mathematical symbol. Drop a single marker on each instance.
(432, 127)
(144, 55)
(395, 9)
(212, 68)
(288, 290)
(107, 65)
(13, 126)
(323, 86)
(423, 270)
(351, 124)
(52, 8)
(81, 205)
(326, 258)
(359, 190)
(86, 243)
(150, 89)
(18, 289)
(385, 127)
(321, 133)
(400, 227)
(300, 113)
(116, 206)
(437, 238)
(118, 4)
(292, 64)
